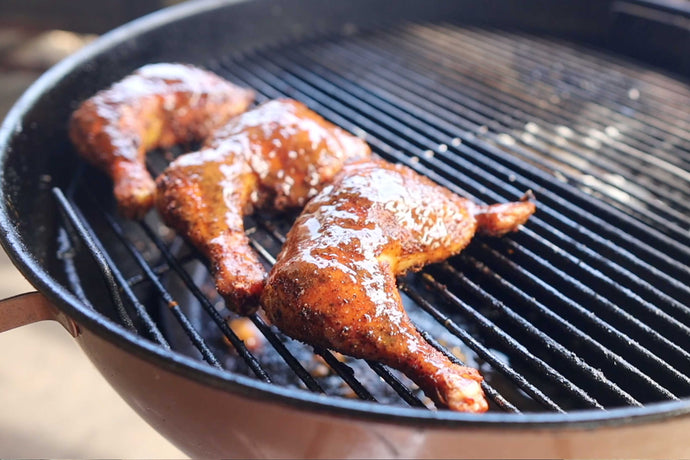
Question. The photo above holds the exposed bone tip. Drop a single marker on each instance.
(465, 394)
(528, 196)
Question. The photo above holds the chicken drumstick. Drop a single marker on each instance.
(334, 283)
(159, 105)
(278, 155)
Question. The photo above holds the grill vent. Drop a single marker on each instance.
(584, 308)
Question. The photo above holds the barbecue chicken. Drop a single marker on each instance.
(334, 282)
(157, 106)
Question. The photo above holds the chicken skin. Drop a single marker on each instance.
(157, 106)
(276, 156)
(334, 282)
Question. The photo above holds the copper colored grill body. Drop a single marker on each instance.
(584, 308)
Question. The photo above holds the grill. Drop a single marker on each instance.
(584, 308)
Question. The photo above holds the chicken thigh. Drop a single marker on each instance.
(334, 282)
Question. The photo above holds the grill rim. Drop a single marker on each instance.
(200, 372)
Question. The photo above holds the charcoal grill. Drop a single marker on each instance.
(579, 322)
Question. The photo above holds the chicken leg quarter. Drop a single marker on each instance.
(157, 106)
(276, 156)
(334, 282)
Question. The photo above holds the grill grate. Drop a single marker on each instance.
(585, 308)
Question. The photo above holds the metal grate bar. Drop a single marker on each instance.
(435, 98)
(665, 166)
(80, 232)
(624, 370)
(67, 247)
(604, 235)
(395, 383)
(495, 86)
(672, 123)
(595, 276)
(515, 347)
(603, 141)
(540, 159)
(622, 244)
(620, 71)
(598, 306)
(174, 308)
(96, 249)
(159, 270)
(610, 333)
(509, 107)
(518, 379)
(662, 121)
(271, 229)
(346, 373)
(206, 304)
(614, 82)
(563, 355)
(290, 360)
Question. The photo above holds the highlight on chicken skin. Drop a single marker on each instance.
(277, 156)
(157, 106)
(334, 282)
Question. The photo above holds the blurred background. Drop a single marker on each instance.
(54, 402)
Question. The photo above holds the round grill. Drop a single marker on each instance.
(584, 309)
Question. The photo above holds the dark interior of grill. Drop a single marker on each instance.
(584, 308)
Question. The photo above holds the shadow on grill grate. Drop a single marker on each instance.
(583, 308)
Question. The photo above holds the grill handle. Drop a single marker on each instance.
(30, 308)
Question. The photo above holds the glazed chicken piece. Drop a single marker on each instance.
(334, 283)
(275, 156)
(157, 106)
